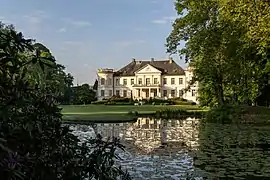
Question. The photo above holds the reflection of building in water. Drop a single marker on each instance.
(149, 134)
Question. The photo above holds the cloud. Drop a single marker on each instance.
(5, 20)
(125, 44)
(77, 23)
(164, 20)
(159, 21)
(32, 19)
(81, 23)
(31, 22)
(62, 30)
(36, 17)
(67, 46)
(72, 42)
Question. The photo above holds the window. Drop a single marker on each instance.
(172, 80)
(110, 92)
(155, 81)
(180, 80)
(165, 93)
(102, 93)
(164, 80)
(173, 93)
(117, 93)
(117, 82)
(102, 81)
(125, 93)
(193, 92)
(124, 81)
(110, 81)
(181, 93)
(140, 81)
(147, 81)
(132, 81)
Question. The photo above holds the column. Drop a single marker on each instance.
(140, 92)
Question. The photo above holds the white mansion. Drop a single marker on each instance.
(145, 79)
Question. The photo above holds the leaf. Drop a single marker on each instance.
(34, 60)
(41, 64)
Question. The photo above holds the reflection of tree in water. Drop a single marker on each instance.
(230, 151)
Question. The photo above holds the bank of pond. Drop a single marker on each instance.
(131, 116)
(187, 148)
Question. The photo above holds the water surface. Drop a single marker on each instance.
(178, 149)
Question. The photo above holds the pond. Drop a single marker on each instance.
(179, 149)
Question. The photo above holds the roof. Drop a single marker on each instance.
(168, 67)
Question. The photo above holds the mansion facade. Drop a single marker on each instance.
(147, 79)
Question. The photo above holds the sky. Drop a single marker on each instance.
(85, 35)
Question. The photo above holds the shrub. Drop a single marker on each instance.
(100, 102)
(159, 101)
(33, 142)
(177, 102)
(223, 114)
(120, 99)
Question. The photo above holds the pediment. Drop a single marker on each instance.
(148, 69)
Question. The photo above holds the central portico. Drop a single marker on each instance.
(142, 92)
(147, 82)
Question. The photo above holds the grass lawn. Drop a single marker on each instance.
(113, 112)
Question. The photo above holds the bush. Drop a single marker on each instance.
(119, 99)
(159, 101)
(33, 142)
(100, 102)
(223, 114)
(178, 102)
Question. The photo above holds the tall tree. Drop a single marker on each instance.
(227, 65)
(95, 86)
(83, 94)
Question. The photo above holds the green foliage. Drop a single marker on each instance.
(114, 100)
(224, 114)
(82, 94)
(158, 101)
(119, 99)
(176, 113)
(95, 87)
(33, 142)
(100, 102)
(227, 44)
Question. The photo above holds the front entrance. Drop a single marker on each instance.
(144, 93)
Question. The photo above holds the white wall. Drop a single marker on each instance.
(107, 87)
(121, 87)
(169, 86)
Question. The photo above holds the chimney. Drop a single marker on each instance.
(152, 59)
(133, 60)
(170, 60)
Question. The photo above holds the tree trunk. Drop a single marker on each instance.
(220, 91)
